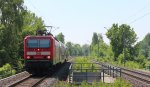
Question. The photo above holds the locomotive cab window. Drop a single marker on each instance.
(32, 43)
(44, 43)
(38, 43)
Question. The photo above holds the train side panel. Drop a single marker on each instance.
(56, 52)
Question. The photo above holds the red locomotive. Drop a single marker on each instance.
(42, 52)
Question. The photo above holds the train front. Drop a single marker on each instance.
(38, 53)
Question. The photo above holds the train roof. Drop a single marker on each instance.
(29, 36)
(47, 36)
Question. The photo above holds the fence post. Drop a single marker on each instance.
(110, 70)
(81, 67)
(120, 72)
(113, 72)
(100, 75)
(116, 72)
(86, 76)
(103, 75)
(107, 71)
(92, 67)
(69, 76)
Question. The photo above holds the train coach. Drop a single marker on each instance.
(43, 52)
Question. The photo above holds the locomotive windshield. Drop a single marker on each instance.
(38, 43)
(32, 43)
(44, 43)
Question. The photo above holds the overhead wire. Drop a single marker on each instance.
(136, 13)
(140, 18)
(30, 2)
(141, 10)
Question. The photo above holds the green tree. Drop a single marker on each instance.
(101, 49)
(31, 24)
(77, 50)
(145, 46)
(61, 37)
(121, 37)
(74, 49)
(15, 23)
(70, 48)
(86, 50)
(94, 39)
(11, 19)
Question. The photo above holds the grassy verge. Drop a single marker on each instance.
(128, 64)
(118, 83)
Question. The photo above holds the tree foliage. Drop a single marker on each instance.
(95, 39)
(15, 23)
(122, 38)
(74, 49)
(31, 24)
(86, 50)
(145, 46)
(61, 37)
(99, 47)
(11, 22)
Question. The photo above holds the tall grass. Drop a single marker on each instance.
(118, 83)
(128, 64)
(84, 64)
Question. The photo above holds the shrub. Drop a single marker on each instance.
(132, 65)
(87, 65)
(6, 70)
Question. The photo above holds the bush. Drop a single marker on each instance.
(132, 65)
(6, 70)
(87, 65)
(147, 63)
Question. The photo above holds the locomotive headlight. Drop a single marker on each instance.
(28, 57)
(48, 57)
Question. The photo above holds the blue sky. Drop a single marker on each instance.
(78, 19)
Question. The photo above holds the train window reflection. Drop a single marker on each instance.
(44, 43)
(32, 43)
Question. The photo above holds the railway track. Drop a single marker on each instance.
(136, 77)
(59, 73)
(141, 76)
(31, 81)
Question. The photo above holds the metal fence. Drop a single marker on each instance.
(111, 70)
(90, 72)
(147, 68)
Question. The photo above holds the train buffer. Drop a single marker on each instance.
(89, 72)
